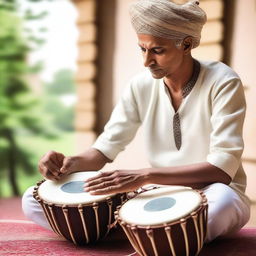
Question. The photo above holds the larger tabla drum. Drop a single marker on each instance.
(170, 220)
(74, 214)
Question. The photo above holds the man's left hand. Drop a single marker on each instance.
(118, 181)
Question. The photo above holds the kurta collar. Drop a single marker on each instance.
(185, 92)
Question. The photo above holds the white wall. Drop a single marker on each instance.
(244, 62)
(128, 60)
(243, 58)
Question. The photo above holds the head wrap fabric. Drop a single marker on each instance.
(166, 19)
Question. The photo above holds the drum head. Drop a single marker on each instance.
(162, 205)
(69, 190)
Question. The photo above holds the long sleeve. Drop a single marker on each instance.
(122, 126)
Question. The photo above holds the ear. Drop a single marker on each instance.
(187, 44)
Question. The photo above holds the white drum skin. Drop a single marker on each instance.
(170, 220)
(54, 191)
(133, 211)
(74, 214)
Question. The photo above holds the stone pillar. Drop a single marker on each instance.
(85, 115)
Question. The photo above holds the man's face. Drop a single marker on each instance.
(161, 55)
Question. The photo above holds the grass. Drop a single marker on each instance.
(65, 144)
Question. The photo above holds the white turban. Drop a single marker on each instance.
(166, 19)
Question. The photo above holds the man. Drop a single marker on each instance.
(192, 113)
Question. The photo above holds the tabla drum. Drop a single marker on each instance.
(74, 214)
(170, 220)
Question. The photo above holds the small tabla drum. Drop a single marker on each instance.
(170, 220)
(74, 214)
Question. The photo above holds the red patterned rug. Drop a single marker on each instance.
(241, 244)
(24, 238)
(20, 237)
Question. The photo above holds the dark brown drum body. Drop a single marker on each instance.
(74, 214)
(165, 221)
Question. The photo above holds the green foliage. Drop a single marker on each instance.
(63, 83)
(24, 120)
(9, 5)
(19, 107)
(29, 15)
(64, 143)
(36, 1)
(62, 116)
(62, 86)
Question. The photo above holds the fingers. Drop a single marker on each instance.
(101, 185)
(50, 164)
(100, 177)
(109, 183)
(107, 190)
(99, 180)
(68, 164)
(60, 158)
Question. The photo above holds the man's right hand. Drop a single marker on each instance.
(54, 165)
(50, 165)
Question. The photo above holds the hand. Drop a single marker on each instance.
(54, 165)
(73, 164)
(50, 165)
(116, 182)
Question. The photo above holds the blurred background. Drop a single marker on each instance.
(64, 64)
(37, 89)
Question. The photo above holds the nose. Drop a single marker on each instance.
(148, 59)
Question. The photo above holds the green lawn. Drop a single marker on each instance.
(64, 143)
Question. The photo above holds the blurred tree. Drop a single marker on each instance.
(59, 99)
(62, 84)
(18, 107)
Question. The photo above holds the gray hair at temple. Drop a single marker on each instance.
(167, 19)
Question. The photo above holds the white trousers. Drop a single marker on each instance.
(227, 212)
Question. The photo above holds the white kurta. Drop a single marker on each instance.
(211, 120)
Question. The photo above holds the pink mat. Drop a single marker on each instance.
(23, 238)
(19, 237)
(241, 244)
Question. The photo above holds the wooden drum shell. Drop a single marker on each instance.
(81, 223)
(184, 237)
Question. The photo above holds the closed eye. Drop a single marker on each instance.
(154, 50)
(142, 49)
(157, 50)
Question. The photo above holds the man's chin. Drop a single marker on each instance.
(157, 75)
